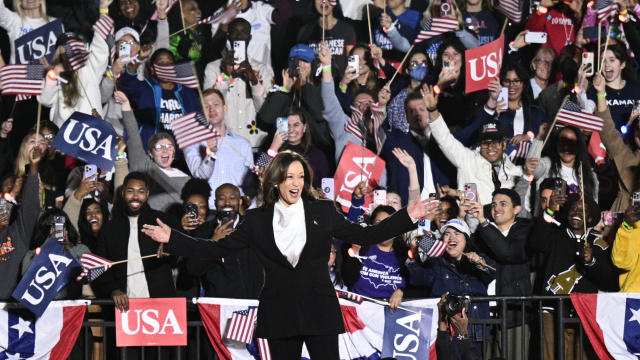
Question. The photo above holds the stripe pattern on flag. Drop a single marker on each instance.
(522, 150)
(22, 79)
(436, 26)
(605, 9)
(241, 325)
(511, 9)
(104, 26)
(191, 129)
(77, 54)
(431, 246)
(263, 347)
(356, 124)
(347, 295)
(571, 114)
(220, 17)
(178, 73)
(93, 266)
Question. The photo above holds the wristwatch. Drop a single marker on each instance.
(462, 336)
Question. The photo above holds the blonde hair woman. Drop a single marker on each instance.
(28, 15)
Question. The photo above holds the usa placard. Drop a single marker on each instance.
(152, 322)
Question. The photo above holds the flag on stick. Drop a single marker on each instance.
(191, 129)
(436, 26)
(356, 125)
(349, 296)
(431, 246)
(104, 26)
(77, 54)
(571, 114)
(512, 9)
(242, 325)
(93, 266)
(179, 73)
(22, 79)
(605, 9)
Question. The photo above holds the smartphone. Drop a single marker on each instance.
(591, 32)
(535, 37)
(587, 59)
(124, 52)
(5, 209)
(58, 227)
(560, 187)
(636, 106)
(448, 64)
(239, 51)
(424, 226)
(327, 185)
(293, 68)
(635, 198)
(89, 171)
(471, 192)
(191, 210)
(379, 197)
(354, 63)
(504, 97)
(282, 124)
(445, 8)
(611, 217)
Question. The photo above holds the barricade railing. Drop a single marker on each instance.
(507, 313)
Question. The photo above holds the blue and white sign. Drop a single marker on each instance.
(89, 139)
(38, 43)
(49, 272)
(407, 335)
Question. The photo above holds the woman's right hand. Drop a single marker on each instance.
(324, 54)
(188, 222)
(160, 233)
(87, 185)
(405, 159)
(117, 67)
(599, 83)
(278, 139)
(385, 21)
(287, 81)
(349, 75)
(360, 190)
(122, 99)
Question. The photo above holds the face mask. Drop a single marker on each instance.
(419, 72)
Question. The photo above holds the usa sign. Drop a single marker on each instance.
(356, 164)
(38, 43)
(407, 335)
(89, 139)
(152, 322)
(483, 64)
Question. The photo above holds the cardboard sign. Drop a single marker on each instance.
(89, 139)
(356, 165)
(483, 64)
(38, 43)
(49, 272)
(152, 322)
(407, 335)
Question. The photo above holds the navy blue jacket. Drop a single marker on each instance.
(145, 97)
(458, 278)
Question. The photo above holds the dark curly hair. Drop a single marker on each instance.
(84, 228)
(42, 230)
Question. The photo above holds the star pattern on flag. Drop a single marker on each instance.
(635, 316)
(15, 356)
(22, 326)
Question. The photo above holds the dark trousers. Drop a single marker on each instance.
(320, 347)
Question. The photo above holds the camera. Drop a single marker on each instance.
(191, 210)
(454, 304)
(224, 216)
(59, 227)
(293, 68)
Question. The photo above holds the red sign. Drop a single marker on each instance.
(356, 164)
(483, 64)
(152, 322)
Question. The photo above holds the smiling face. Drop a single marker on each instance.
(394, 200)
(443, 216)
(364, 68)
(228, 198)
(202, 204)
(290, 189)
(296, 130)
(567, 146)
(30, 4)
(612, 67)
(162, 153)
(455, 241)
(135, 47)
(502, 210)
(512, 82)
(574, 216)
(135, 194)
(216, 108)
(491, 149)
(542, 66)
(451, 54)
(129, 8)
(95, 218)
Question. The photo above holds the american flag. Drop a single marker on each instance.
(431, 246)
(77, 54)
(571, 114)
(241, 325)
(343, 294)
(104, 26)
(605, 9)
(191, 129)
(179, 73)
(522, 150)
(512, 9)
(22, 79)
(436, 26)
(356, 125)
(221, 17)
(93, 266)
(263, 347)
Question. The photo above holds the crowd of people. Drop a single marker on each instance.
(525, 206)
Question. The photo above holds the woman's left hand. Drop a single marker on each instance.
(160, 233)
(420, 209)
(395, 300)
(517, 139)
(405, 159)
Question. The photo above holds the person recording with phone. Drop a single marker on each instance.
(626, 247)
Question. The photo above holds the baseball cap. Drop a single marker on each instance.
(302, 52)
(458, 225)
(491, 130)
(127, 31)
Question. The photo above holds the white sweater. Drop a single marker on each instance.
(17, 26)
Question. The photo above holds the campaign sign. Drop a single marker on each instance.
(49, 272)
(38, 43)
(407, 335)
(89, 139)
(356, 164)
(152, 322)
(483, 64)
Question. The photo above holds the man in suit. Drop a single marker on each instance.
(121, 239)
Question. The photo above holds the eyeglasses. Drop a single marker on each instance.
(363, 103)
(130, 42)
(507, 82)
(159, 147)
(48, 137)
(413, 64)
(490, 143)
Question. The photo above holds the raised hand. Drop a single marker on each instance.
(122, 99)
(405, 159)
(384, 95)
(160, 233)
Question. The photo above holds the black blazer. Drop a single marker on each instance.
(113, 245)
(295, 300)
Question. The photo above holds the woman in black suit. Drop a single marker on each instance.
(291, 233)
